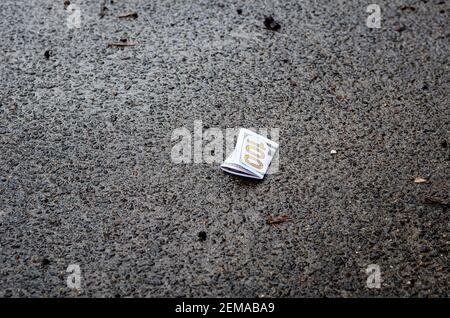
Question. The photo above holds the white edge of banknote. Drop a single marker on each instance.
(234, 168)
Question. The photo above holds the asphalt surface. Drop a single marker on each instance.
(86, 175)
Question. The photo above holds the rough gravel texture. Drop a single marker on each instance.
(86, 175)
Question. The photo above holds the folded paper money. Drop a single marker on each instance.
(251, 156)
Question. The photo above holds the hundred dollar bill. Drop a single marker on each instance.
(251, 156)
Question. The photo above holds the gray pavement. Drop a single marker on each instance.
(86, 175)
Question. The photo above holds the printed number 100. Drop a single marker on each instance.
(254, 154)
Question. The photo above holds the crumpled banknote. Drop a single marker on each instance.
(251, 156)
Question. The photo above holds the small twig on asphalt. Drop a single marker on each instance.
(407, 7)
(278, 219)
(129, 14)
(420, 180)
